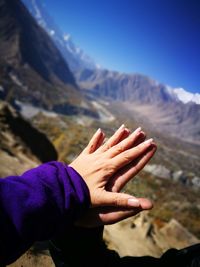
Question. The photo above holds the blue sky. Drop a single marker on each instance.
(158, 38)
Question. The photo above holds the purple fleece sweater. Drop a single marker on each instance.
(37, 206)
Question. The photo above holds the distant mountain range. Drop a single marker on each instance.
(76, 57)
(36, 64)
(141, 98)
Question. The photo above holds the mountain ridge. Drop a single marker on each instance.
(140, 97)
(22, 30)
(32, 71)
(75, 56)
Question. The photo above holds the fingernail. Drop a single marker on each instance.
(133, 202)
(149, 141)
(137, 130)
(98, 131)
(121, 127)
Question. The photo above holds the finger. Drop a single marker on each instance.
(118, 200)
(129, 155)
(119, 135)
(116, 216)
(100, 142)
(95, 141)
(95, 217)
(105, 215)
(125, 144)
(110, 215)
(145, 203)
(141, 138)
(129, 171)
(125, 134)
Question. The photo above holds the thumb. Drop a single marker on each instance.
(120, 200)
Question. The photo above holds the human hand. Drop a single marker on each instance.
(108, 215)
(103, 163)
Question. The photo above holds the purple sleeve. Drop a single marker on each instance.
(38, 205)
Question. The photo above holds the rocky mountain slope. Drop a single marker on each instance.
(32, 68)
(69, 137)
(74, 55)
(117, 86)
(21, 145)
(140, 97)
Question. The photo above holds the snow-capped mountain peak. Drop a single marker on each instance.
(184, 96)
(37, 10)
(66, 37)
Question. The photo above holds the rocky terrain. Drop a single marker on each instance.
(69, 137)
(21, 145)
(143, 237)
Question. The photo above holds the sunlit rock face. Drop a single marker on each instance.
(21, 145)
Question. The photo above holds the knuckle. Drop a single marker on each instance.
(119, 149)
(119, 202)
(116, 201)
(91, 148)
(127, 157)
(112, 168)
(106, 147)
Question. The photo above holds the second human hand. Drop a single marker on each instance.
(111, 214)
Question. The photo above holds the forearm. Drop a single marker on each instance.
(38, 205)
